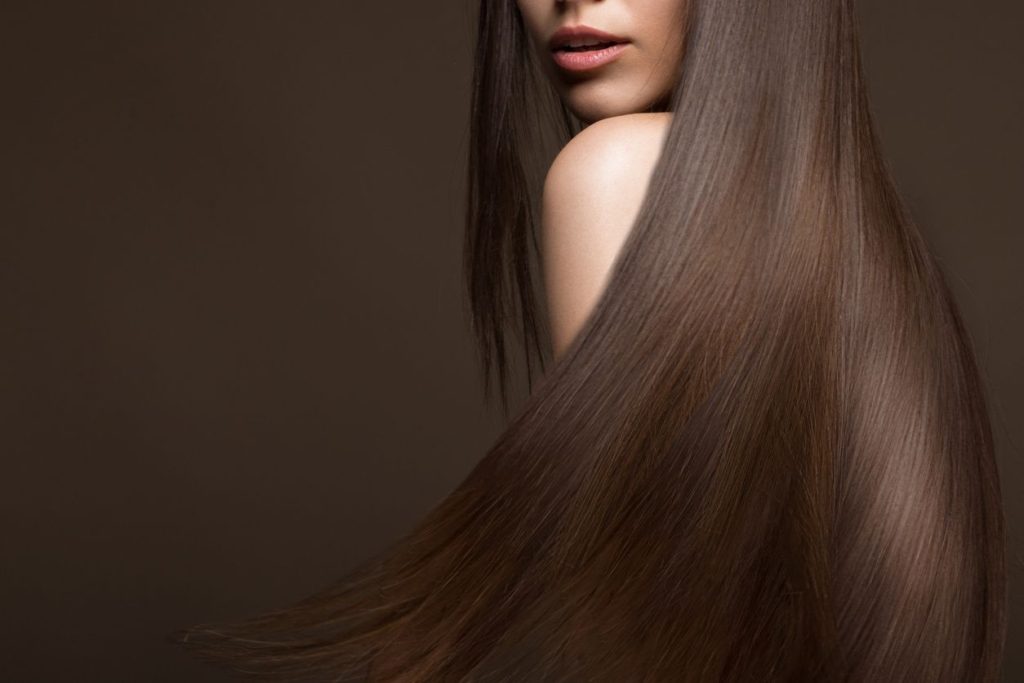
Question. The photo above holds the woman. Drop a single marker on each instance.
(762, 451)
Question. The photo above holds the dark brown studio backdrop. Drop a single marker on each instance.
(234, 361)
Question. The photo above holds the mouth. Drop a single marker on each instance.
(582, 48)
(577, 38)
(585, 47)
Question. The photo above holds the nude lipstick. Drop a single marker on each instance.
(582, 48)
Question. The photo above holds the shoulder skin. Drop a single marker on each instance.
(592, 195)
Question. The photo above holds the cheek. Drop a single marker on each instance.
(663, 32)
(667, 60)
(663, 13)
(663, 26)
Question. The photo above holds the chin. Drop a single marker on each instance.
(593, 101)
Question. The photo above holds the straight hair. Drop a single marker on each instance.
(765, 456)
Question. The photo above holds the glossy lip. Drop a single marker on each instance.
(588, 59)
(567, 33)
(584, 60)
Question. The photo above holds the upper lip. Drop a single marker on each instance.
(564, 35)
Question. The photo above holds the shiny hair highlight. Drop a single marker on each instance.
(765, 457)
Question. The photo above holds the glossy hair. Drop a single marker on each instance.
(766, 456)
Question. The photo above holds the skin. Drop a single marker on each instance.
(641, 79)
(595, 187)
(593, 193)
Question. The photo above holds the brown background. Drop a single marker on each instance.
(234, 361)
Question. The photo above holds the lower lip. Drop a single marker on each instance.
(585, 60)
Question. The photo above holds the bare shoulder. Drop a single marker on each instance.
(592, 194)
(615, 148)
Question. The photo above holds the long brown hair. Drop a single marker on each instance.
(765, 456)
